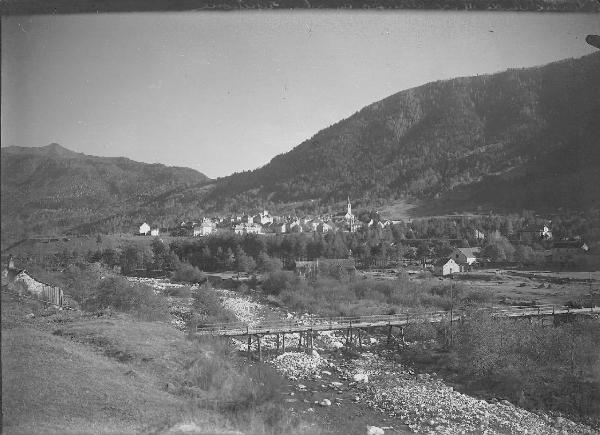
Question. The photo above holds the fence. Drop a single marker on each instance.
(23, 283)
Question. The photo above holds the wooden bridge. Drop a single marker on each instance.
(340, 323)
(352, 326)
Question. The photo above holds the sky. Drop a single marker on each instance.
(227, 91)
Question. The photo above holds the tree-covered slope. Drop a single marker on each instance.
(520, 127)
(52, 187)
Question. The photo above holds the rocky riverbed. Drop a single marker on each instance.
(368, 390)
(402, 401)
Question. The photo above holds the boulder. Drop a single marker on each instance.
(374, 430)
(325, 402)
(361, 377)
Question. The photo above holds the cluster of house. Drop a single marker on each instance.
(562, 252)
(265, 223)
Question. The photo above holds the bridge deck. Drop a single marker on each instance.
(340, 323)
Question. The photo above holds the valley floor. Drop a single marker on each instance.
(70, 372)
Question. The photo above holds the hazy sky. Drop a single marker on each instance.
(224, 92)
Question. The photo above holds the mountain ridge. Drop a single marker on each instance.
(425, 141)
(520, 139)
(52, 187)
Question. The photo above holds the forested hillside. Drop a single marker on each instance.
(527, 137)
(51, 187)
(520, 139)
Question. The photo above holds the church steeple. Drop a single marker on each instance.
(350, 219)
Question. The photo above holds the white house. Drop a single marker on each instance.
(445, 267)
(545, 233)
(263, 218)
(465, 256)
(248, 229)
(479, 235)
(384, 224)
(324, 227)
(206, 228)
(280, 228)
(296, 227)
(144, 229)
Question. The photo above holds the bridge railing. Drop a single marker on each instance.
(315, 321)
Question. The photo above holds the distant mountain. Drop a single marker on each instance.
(51, 187)
(523, 138)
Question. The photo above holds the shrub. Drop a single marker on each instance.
(119, 294)
(187, 273)
(420, 331)
(276, 282)
(212, 366)
(537, 366)
(207, 307)
(178, 292)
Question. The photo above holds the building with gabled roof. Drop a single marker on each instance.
(465, 256)
(446, 266)
(144, 229)
(568, 250)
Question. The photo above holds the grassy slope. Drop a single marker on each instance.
(98, 376)
(52, 385)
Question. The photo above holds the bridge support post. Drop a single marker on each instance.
(359, 338)
(259, 348)
(277, 338)
(311, 340)
(389, 337)
(282, 343)
(249, 344)
(350, 334)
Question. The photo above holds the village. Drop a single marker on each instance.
(442, 253)
(265, 223)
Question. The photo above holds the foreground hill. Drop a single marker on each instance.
(521, 138)
(53, 187)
